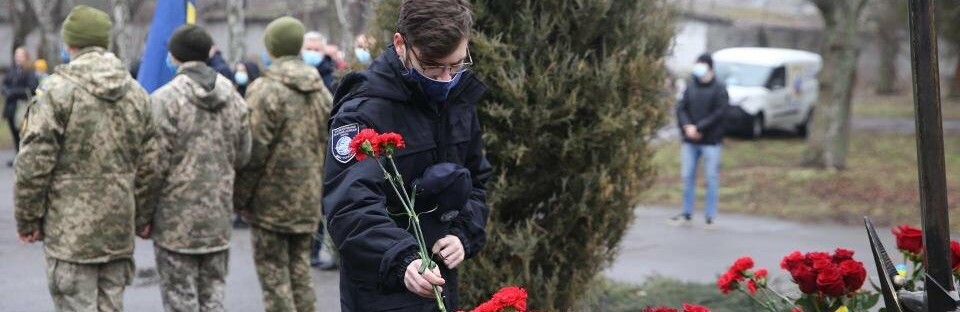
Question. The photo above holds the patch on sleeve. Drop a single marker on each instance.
(341, 137)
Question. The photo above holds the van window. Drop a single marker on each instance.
(778, 79)
(745, 75)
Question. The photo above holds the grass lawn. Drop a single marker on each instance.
(612, 296)
(764, 177)
(898, 106)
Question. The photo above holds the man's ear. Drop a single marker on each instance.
(398, 44)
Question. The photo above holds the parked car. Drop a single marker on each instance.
(769, 88)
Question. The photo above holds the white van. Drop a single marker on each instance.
(769, 88)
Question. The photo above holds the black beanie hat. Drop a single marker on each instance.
(706, 59)
(190, 43)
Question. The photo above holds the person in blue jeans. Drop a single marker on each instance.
(700, 118)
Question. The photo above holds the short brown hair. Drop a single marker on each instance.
(435, 27)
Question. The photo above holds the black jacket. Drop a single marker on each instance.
(703, 105)
(220, 65)
(326, 69)
(375, 247)
(18, 84)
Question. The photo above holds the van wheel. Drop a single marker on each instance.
(803, 129)
(756, 126)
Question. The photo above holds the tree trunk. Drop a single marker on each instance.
(346, 35)
(827, 143)
(49, 43)
(955, 83)
(23, 22)
(889, 28)
(887, 69)
(236, 23)
(121, 44)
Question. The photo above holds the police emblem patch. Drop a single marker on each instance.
(341, 137)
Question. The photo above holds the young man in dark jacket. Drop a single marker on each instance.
(700, 117)
(420, 88)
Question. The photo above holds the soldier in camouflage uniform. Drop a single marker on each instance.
(280, 189)
(86, 168)
(205, 136)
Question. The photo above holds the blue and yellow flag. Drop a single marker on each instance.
(168, 15)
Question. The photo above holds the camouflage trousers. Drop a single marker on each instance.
(191, 283)
(88, 287)
(283, 266)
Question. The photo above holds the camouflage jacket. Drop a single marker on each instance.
(205, 136)
(86, 166)
(289, 110)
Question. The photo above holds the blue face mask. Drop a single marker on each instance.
(363, 56)
(241, 78)
(700, 69)
(434, 89)
(64, 55)
(171, 67)
(266, 59)
(313, 58)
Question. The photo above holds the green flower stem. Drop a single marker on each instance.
(766, 294)
(425, 258)
(399, 177)
(785, 299)
(761, 303)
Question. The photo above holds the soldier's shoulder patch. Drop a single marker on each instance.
(340, 142)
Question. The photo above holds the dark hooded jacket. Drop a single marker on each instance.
(375, 246)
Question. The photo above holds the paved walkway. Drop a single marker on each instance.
(692, 253)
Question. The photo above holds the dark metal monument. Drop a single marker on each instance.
(939, 293)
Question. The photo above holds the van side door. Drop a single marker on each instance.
(780, 112)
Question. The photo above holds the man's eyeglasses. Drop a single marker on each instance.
(437, 70)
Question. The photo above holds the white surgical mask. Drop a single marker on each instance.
(700, 69)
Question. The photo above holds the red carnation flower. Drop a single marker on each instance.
(909, 239)
(512, 296)
(728, 282)
(796, 309)
(365, 144)
(742, 264)
(830, 283)
(854, 274)
(760, 274)
(687, 307)
(841, 255)
(390, 141)
(752, 287)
